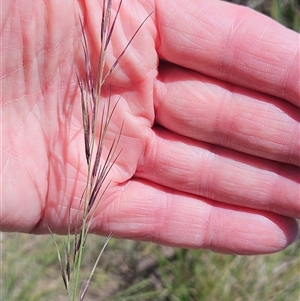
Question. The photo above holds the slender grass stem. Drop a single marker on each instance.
(99, 164)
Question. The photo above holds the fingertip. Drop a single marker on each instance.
(291, 231)
(285, 231)
(256, 232)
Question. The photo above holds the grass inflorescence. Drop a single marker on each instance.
(97, 113)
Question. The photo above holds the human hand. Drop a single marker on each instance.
(211, 137)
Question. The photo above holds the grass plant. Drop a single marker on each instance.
(94, 109)
(174, 274)
(286, 12)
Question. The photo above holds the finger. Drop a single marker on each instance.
(221, 174)
(153, 213)
(232, 43)
(206, 109)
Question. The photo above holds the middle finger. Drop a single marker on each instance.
(206, 109)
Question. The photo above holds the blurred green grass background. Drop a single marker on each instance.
(138, 271)
(286, 12)
(130, 270)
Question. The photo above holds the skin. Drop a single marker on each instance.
(209, 97)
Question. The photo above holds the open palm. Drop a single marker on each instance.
(210, 143)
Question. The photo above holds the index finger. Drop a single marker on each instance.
(231, 43)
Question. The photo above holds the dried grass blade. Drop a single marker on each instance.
(105, 19)
(97, 164)
(103, 172)
(105, 121)
(61, 266)
(92, 213)
(99, 183)
(106, 22)
(94, 268)
(102, 21)
(124, 50)
(113, 25)
(67, 263)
